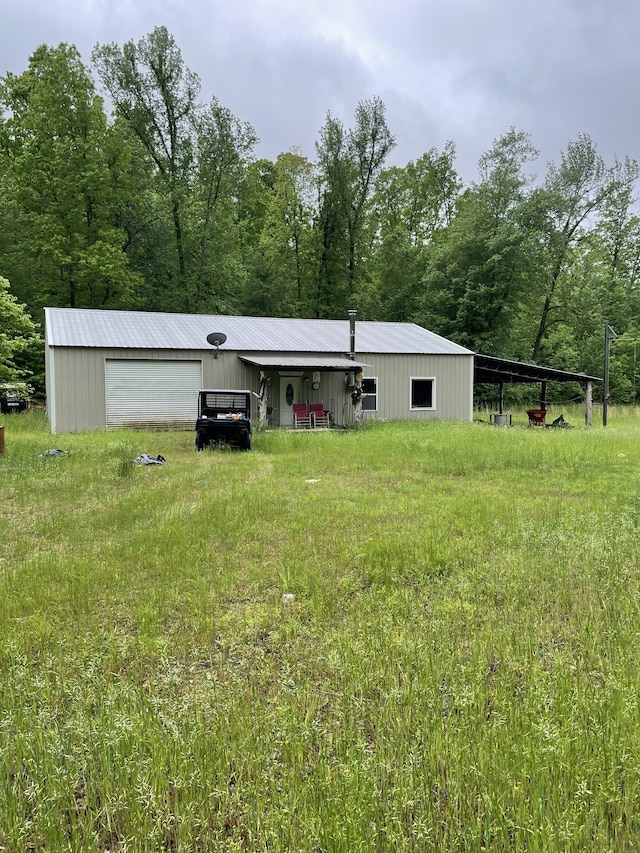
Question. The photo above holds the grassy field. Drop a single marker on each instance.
(458, 670)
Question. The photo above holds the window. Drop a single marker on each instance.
(423, 392)
(370, 394)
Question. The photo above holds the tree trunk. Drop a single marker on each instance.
(546, 308)
(177, 224)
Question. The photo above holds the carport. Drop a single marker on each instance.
(490, 370)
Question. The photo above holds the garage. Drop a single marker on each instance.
(152, 394)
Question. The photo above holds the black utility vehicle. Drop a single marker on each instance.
(14, 398)
(224, 419)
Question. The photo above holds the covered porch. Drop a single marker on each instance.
(289, 381)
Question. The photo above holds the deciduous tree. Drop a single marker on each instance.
(478, 267)
(411, 204)
(575, 194)
(156, 94)
(18, 333)
(224, 146)
(54, 141)
(348, 164)
(285, 242)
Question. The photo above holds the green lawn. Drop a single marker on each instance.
(458, 670)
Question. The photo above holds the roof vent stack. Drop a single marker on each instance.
(352, 333)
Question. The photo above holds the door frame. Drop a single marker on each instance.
(286, 411)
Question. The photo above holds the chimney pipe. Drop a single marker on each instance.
(352, 333)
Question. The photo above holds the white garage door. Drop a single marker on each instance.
(152, 394)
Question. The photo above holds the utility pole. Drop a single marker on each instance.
(608, 334)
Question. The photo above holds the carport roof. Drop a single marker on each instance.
(489, 369)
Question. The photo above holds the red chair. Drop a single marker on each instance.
(319, 418)
(301, 416)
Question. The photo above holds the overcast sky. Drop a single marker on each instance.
(465, 70)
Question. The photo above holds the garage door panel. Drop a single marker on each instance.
(152, 394)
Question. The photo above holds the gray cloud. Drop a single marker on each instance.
(463, 70)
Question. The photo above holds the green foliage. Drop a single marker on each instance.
(156, 95)
(18, 334)
(411, 205)
(55, 140)
(477, 270)
(349, 162)
(223, 146)
(283, 283)
(198, 154)
(576, 193)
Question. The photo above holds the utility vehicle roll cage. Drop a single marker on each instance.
(224, 419)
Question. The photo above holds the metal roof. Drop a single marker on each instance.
(302, 362)
(86, 327)
(488, 368)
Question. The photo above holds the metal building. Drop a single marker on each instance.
(134, 369)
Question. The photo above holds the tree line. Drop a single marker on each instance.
(161, 204)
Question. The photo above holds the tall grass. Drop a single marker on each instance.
(458, 670)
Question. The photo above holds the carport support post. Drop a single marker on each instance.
(588, 404)
(501, 398)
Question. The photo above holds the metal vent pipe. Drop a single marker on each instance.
(352, 333)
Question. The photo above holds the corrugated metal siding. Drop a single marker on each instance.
(453, 386)
(77, 390)
(227, 371)
(152, 394)
(332, 393)
(49, 380)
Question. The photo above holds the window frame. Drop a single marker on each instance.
(368, 395)
(430, 408)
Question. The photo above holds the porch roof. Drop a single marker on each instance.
(302, 362)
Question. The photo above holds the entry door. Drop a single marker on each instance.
(289, 393)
